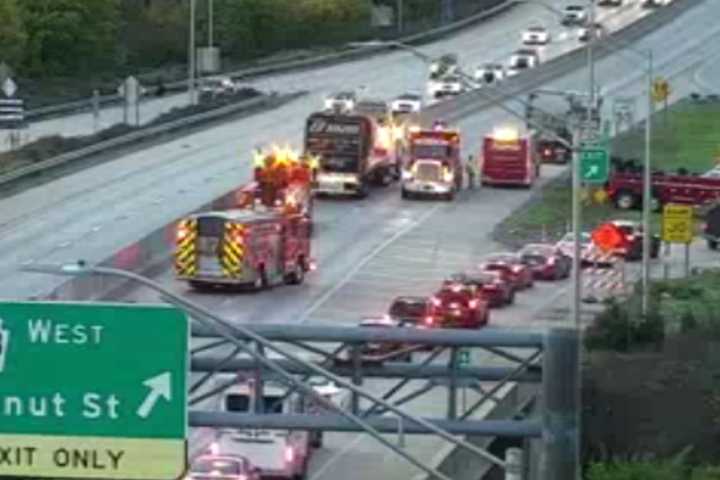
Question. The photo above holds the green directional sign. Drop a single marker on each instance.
(464, 357)
(594, 165)
(92, 391)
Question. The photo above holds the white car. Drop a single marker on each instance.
(407, 103)
(713, 173)
(343, 101)
(589, 252)
(216, 86)
(536, 36)
(522, 60)
(584, 32)
(449, 86)
(489, 73)
(574, 15)
(226, 466)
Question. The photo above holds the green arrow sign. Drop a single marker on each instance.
(464, 357)
(594, 165)
(93, 391)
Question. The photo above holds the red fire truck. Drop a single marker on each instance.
(509, 158)
(625, 189)
(282, 181)
(265, 241)
(433, 165)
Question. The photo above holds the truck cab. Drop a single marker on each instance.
(433, 167)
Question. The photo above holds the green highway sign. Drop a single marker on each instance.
(93, 391)
(594, 165)
(464, 357)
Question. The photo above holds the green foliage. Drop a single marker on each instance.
(13, 37)
(635, 471)
(621, 326)
(69, 36)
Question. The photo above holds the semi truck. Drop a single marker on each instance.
(353, 152)
(433, 166)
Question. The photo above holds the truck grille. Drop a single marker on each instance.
(428, 173)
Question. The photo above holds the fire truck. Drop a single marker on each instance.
(625, 188)
(282, 181)
(277, 453)
(433, 165)
(354, 151)
(509, 158)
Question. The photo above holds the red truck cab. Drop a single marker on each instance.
(433, 165)
(509, 158)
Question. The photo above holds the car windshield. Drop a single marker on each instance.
(536, 29)
(430, 151)
(585, 238)
(574, 8)
(520, 62)
(217, 466)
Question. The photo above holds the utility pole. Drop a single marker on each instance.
(647, 193)
(191, 55)
(211, 22)
(400, 16)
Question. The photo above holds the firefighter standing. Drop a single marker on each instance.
(471, 170)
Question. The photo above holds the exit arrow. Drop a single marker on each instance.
(159, 388)
(593, 171)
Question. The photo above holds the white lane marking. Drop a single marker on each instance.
(348, 276)
(334, 459)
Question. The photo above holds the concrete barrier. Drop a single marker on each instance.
(154, 251)
(495, 7)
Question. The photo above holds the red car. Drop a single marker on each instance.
(498, 291)
(458, 306)
(546, 262)
(511, 266)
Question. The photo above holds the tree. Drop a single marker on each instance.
(13, 36)
(70, 36)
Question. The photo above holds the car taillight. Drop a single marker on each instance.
(428, 320)
(289, 454)
(630, 238)
(551, 261)
(435, 301)
(313, 266)
(473, 304)
(214, 448)
(517, 269)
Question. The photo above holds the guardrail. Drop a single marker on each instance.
(153, 252)
(142, 134)
(289, 65)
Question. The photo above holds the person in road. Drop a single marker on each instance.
(471, 170)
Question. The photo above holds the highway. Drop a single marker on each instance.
(374, 250)
(368, 251)
(500, 36)
(70, 218)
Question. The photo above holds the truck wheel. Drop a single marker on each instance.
(450, 196)
(404, 194)
(297, 276)
(625, 200)
(712, 244)
(199, 286)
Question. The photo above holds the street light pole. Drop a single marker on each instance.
(647, 192)
(211, 21)
(191, 55)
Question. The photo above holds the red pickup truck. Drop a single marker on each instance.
(625, 189)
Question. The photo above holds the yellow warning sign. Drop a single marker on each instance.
(677, 223)
(37, 456)
(660, 90)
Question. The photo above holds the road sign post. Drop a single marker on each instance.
(594, 165)
(678, 227)
(93, 391)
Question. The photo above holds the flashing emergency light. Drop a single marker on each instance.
(215, 448)
(414, 129)
(506, 134)
(182, 232)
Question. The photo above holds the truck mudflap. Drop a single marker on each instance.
(186, 248)
(233, 251)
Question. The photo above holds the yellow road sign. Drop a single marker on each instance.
(660, 90)
(677, 223)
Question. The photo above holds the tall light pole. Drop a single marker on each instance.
(647, 192)
(191, 56)
(211, 21)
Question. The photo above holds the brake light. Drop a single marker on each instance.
(630, 237)
(517, 269)
(473, 304)
(551, 261)
(289, 454)
(436, 301)
(313, 266)
(428, 320)
(456, 288)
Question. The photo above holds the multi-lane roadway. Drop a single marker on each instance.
(368, 251)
